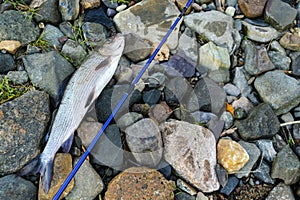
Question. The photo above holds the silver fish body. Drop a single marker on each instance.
(82, 90)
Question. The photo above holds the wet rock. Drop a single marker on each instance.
(26, 32)
(195, 157)
(216, 27)
(257, 60)
(232, 90)
(87, 183)
(231, 155)
(160, 112)
(47, 71)
(151, 25)
(261, 123)
(280, 61)
(216, 59)
(61, 168)
(23, 125)
(52, 35)
(74, 51)
(185, 187)
(267, 149)
(281, 192)
(252, 9)
(263, 173)
(228, 119)
(136, 48)
(98, 16)
(280, 14)
(259, 33)
(14, 188)
(128, 119)
(281, 91)
(240, 81)
(286, 166)
(48, 13)
(151, 97)
(295, 60)
(86, 4)
(290, 41)
(17, 77)
(253, 153)
(175, 90)
(11, 46)
(94, 33)
(145, 142)
(7, 63)
(230, 186)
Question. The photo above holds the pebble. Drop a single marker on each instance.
(184, 196)
(280, 61)
(17, 77)
(74, 51)
(185, 187)
(120, 8)
(230, 11)
(11, 46)
(230, 186)
(263, 173)
(160, 112)
(52, 35)
(151, 97)
(99, 16)
(228, 119)
(110, 3)
(156, 80)
(252, 9)
(47, 12)
(7, 63)
(124, 73)
(240, 81)
(281, 192)
(244, 103)
(163, 54)
(139, 183)
(277, 47)
(201, 196)
(94, 33)
(267, 149)
(90, 4)
(194, 162)
(175, 90)
(231, 89)
(240, 113)
(295, 56)
(290, 41)
(128, 119)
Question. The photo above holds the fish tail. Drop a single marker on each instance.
(42, 166)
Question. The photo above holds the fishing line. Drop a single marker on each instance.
(112, 115)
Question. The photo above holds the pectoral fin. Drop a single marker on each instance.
(66, 146)
(90, 98)
(104, 63)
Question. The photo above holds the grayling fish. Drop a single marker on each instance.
(82, 90)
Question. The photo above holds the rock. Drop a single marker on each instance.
(275, 46)
(290, 41)
(230, 186)
(243, 103)
(67, 29)
(163, 54)
(295, 56)
(94, 33)
(253, 153)
(98, 16)
(151, 97)
(145, 142)
(17, 77)
(47, 71)
(241, 82)
(128, 119)
(74, 52)
(232, 90)
(203, 117)
(152, 25)
(281, 192)
(240, 113)
(280, 14)
(164, 168)
(24, 121)
(185, 187)
(228, 119)
(184, 196)
(136, 48)
(252, 9)
(87, 130)
(263, 173)
(26, 32)
(201, 196)
(61, 168)
(110, 4)
(123, 73)
(195, 157)
(230, 11)
(156, 80)
(52, 35)
(11, 46)
(175, 90)
(216, 27)
(281, 91)
(257, 60)
(14, 188)
(160, 112)
(259, 33)
(286, 166)
(86, 4)
(181, 4)
(121, 7)
(87, 183)
(280, 61)
(7, 63)
(139, 183)
(261, 123)
(48, 12)
(267, 148)
(231, 155)
(216, 59)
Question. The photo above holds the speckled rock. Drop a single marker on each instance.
(280, 61)
(281, 192)
(74, 52)
(252, 9)
(290, 41)
(192, 155)
(23, 124)
(90, 3)
(139, 183)
(48, 12)
(17, 77)
(128, 119)
(69, 9)
(94, 33)
(52, 34)
(7, 63)
(231, 155)
(160, 112)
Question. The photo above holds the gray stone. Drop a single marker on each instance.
(185, 187)
(243, 103)
(67, 29)
(160, 112)
(230, 186)
(110, 4)
(286, 166)
(145, 142)
(261, 123)
(26, 32)
(24, 122)
(216, 27)
(184, 196)
(17, 77)
(47, 71)
(201, 196)
(281, 192)
(263, 173)
(192, 155)
(75, 52)
(216, 59)
(277, 47)
(203, 117)
(87, 183)
(240, 81)
(13, 187)
(228, 119)
(52, 34)
(7, 63)
(253, 153)
(231, 89)
(267, 149)
(48, 13)
(281, 91)
(156, 80)
(175, 90)
(259, 33)
(69, 9)
(151, 25)
(280, 61)
(151, 97)
(94, 33)
(295, 56)
(280, 14)
(124, 73)
(128, 119)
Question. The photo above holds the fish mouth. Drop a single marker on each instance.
(113, 46)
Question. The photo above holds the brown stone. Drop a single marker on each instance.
(61, 168)
(163, 54)
(181, 4)
(10, 45)
(252, 8)
(86, 4)
(231, 155)
(290, 41)
(160, 112)
(139, 183)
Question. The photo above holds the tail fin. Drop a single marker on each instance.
(41, 166)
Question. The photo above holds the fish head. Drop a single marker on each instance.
(113, 46)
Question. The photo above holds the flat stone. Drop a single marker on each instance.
(74, 52)
(267, 149)
(160, 112)
(7, 63)
(128, 119)
(216, 27)
(252, 9)
(192, 155)
(139, 183)
(231, 155)
(69, 9)
(281, 91)
(230, 186)
(24, 122)
(47, 12)
(11, 46)
(145, 142)
(286, 166)
(281, 192)
(14, 188)
(61, 168)
(260, 123)
(290, 41)
(280, 61)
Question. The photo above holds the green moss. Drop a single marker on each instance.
(41, 43)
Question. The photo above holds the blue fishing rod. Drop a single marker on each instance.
(117, 108)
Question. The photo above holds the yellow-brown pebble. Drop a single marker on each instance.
(10, 45)
(139, 183)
